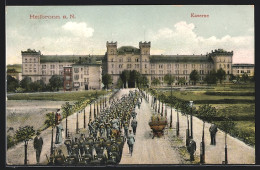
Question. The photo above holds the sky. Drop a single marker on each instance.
(170, 29)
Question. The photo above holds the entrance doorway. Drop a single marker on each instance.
(86, 87)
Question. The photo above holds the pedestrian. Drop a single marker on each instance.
(191, 149)
(213, 130)
(134, 125)
(37, 144)
(59, 130)
(130, 142)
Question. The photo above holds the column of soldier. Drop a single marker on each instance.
(104, 142)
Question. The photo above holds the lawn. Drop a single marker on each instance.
(60, 96)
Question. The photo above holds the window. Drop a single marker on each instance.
(25, 65)
(34, 70)
(81, 76)
(242, 71)
(136, 60)
(87, 80)
(228, 66)
(145, 66)
(30, 60)
(129, 59)
(152, 71)
(177, 65)
(136, 65)
(76, 77)
(185, 65)
(227, 72)
(237, 71)
(169, 71)
(25, 60)
(160, 66)
(201, 71)
(184, 71)
(129, 66)
(34, 60)
(112, 60)
(67, 77)
(43, 79)
(60, 66)
(169, 66)
(120, 60)
(248, 71)
(76, 70)
(201, 65)
(81, 83)
(112, 65)
(43, 72)
(26, 70)
(152, 66)
(52, 66)
(112, 72)
(120, 65)
(176, 71)
(160, 71)
(43, 66)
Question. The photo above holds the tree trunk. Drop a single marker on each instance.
(25, 152)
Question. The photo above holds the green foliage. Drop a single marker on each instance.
(169, 79)
(66, 109)
(211, 78)
(125, 76)
(12, 83)
(232, 77)
(56, 82)
(10, 141)
(227, 125)
(194, 76)
(245, 77)
(119, 83)
(50, 119)
(25, 83)
(106, 80)
(221, 75)
(24, 133)
(156, 82)
(207, 112)
(182, 81)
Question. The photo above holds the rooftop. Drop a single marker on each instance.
(243, 65)
(179, 58)
(67, 58)
(128, 49)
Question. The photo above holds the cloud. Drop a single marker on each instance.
(78, 29)
(181, 39)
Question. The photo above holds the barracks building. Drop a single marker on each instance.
(84, 72)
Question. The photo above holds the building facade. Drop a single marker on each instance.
(86, 71)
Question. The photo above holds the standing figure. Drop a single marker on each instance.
(191, 149)
(37, 144)
(134, 125)
(130, 142)
(213, 130)
(59, 130)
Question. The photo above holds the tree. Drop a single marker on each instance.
(156, 82)
(232, 77)
(25, 134)
(245, 77)
(221, 75)
(50, 122)
(134, 78)
(194, 76)
(211, 78)
(182, 81)
(106, 80)
(169, 79)
(119, 83)
(25, 83)
(125, 76)
(66, 110)
(12, 83)
(56, 82)
(143, 81)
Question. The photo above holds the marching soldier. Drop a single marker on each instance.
(130, 142)
(134, 125)
(81, 144)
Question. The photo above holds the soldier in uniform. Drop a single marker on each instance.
(126, 129)
(213, 130)
(68, 143)
(37, 144)
(134, 125)
(133, 114)
(81, 144)
(130, 142)
(59, 158)
(191, 149)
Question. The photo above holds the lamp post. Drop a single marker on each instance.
(171, 118)
(77, 124)
(202, 146)
(191, 129)
(94, 109)
(90, 114)
(84, 118)
(159, 107)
